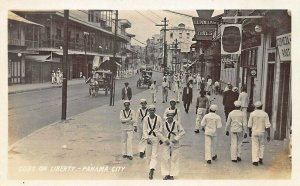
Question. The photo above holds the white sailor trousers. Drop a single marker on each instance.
(126, 141)
(152, 152)
(170, 160)
(153, 97)
(200, 114)
(236, 145)
(210, 146)
(258, 146)
(142, 142)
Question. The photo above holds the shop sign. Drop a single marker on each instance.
(204, 28)
(227, 61)
(283, 43)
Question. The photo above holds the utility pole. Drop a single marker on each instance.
(112, 90)
(176, 46)
(65, 66)
(165, 42)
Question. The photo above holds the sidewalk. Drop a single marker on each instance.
(13, 89)
(87, 146)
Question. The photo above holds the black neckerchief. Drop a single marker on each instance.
(170, 131)
(143, 116)
(125, 113)
(152, 129)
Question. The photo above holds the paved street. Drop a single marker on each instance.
(32, 110)
(87, 146)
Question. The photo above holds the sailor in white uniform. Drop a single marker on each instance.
(151, 125)
(127, 118)
(170, 134)
(211, 122)
(141, 113)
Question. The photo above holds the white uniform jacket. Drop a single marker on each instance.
(236, 121)
(171, 131)
(127, 119)
(211, 122)
(151, 126)
(259, 121)
(244, 99)
(176, 111)
(141, 114)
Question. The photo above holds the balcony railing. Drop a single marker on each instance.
(58, 43)
(16, 42)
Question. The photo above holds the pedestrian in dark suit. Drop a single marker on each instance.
(187, 97)
(229, 97)
(126, 92)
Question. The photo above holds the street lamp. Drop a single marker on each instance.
(86, 34)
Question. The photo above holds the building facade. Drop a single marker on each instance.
(90, 35)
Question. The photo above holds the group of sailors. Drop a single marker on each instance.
(57, 77)
(167, 132)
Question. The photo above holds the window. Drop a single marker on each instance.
(180, 35)
(77, 38)
(171, 35)
(58, 33)
(91, 16)
(188, 35)
(273, 40)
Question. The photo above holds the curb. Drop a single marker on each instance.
(44, 88)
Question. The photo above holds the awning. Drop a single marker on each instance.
(37, 58)
(17, 51)
(15, 17)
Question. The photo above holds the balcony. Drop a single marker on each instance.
(16, 42)
(73, 45)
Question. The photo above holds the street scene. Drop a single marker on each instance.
(149, 95)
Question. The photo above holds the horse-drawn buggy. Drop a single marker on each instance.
(101, 80)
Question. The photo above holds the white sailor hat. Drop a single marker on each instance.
(151, 107)
(234, 89)
(172, 100)
(213, 107)
(258, 104)
(143, 100)
(169, 113)
(237, 103)
(126, 101)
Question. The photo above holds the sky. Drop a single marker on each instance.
(143, 22)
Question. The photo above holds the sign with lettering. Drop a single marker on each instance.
(228, 61)
(283, 43)
(204, 28)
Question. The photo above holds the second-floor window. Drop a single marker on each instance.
(77, 38)
(58, 33)
(180, 35)
(188, 35)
